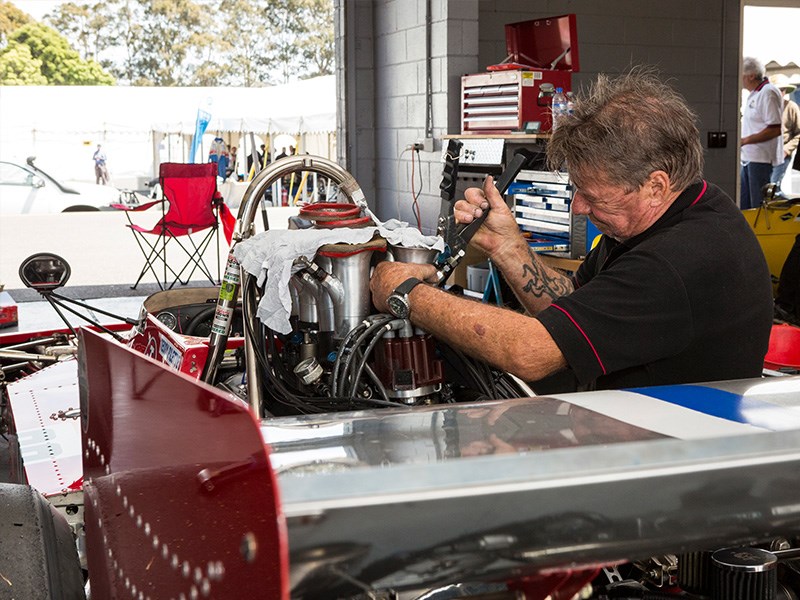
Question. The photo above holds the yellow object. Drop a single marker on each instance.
(300, 188)
(776, 224)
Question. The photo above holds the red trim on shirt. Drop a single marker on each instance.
(761, 85)
(583, 333)
(700, 195)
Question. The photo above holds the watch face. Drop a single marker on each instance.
(398, 306)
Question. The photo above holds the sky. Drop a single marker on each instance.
(770, 33)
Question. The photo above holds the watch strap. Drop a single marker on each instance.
(408, 285)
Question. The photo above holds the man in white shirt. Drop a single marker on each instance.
(762, 145)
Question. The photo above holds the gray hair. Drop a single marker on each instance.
(626, 128)
(753, 66)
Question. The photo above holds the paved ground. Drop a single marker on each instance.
(100, 249)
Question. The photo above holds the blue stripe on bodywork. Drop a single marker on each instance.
(726, 405)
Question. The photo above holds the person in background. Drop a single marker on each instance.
(259, 157)
(232, 167)
(218, 154)
(677, 290)
(762, 145)
(791, 131)
(100, 167)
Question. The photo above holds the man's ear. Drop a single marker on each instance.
(658, 187)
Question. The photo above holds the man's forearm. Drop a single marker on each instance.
(505, 339)
(766, 134)
(535, 284)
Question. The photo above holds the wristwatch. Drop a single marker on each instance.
(398, 299)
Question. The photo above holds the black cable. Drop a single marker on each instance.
(362, 363)
(341, 352)
(455, 364)
(480, 384)
(380, 322)
(378, 384)
(488, 378)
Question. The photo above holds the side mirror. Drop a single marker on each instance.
(37, 182)
(44, 272)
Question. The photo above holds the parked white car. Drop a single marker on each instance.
(26, 189)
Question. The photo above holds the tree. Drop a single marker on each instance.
(72, 21)
(11, 19)
(316, 42)
(124, 32)
(58, 62)
(18, 67)
(286, 26)
(171, 37)
(191, 42)
(246, 40)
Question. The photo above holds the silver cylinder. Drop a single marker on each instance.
(306, 299)
(324, 303)
(352, 272)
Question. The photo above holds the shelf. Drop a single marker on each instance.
(521, 137)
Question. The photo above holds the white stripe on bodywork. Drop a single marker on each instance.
(657, 415)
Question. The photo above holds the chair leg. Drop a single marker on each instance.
(195, 259)
(153, 254)
(149, 256)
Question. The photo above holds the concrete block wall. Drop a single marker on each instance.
(384, 50)
(695, 45)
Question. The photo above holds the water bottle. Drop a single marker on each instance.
(559, 106)
(570, 104)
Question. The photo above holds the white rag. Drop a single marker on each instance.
(270, 256)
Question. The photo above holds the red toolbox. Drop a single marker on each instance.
(516, 94)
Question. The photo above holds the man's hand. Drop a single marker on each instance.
(388, 275)
(499, 232)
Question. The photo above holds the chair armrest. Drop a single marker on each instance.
(128, 208)
(218, 199)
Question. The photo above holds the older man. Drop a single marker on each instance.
(762, 145)
(676, 291)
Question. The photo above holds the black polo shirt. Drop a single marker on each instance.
(688, 300)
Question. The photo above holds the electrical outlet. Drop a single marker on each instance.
(424, 145)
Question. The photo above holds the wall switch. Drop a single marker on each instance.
(717, 139)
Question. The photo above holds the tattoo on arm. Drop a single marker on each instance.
(541, 282)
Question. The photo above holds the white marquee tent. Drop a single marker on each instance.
(142, 126)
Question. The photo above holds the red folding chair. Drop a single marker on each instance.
(194, 206)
